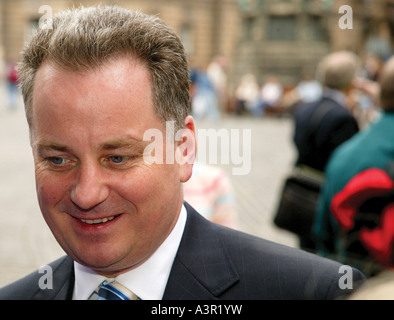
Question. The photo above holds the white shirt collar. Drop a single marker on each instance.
(148, 281)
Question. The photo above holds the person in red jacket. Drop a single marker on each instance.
(12, 85)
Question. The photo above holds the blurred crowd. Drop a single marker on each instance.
(350, 101)
(212, 95)
(346, 137)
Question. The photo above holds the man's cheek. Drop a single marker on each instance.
(49, 192)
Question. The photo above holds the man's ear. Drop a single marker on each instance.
(186, 149)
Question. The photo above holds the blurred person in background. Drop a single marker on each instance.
(246, 94)
(210, 192)
(12, 85)
(363, 101)
(217, 73)
(308, 89)
(270, 96)
(372, 66)
(321, 126)
(205, 102)
(371, 148)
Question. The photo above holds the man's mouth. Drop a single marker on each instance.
(98, 221)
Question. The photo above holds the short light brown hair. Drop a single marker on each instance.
(386, 81)
(83, 39)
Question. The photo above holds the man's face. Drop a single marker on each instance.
(107, 208)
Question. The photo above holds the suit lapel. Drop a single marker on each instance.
(63, 281)
(202, 268)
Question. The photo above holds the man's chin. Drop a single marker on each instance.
(104, 263)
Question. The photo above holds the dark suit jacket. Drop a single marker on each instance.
(214, 262)
(335, 127)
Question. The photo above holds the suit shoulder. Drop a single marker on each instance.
(255, 246)
(287, 273)
(26, 287)
(238, 265)
(243, 244)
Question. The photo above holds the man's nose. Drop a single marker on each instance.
(90, 188)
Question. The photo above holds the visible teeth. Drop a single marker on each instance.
(97, 221)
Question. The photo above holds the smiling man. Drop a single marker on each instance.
(93, 185)
(92, 86)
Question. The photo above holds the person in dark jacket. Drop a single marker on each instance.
(323, 125)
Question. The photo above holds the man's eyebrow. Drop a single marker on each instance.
(122, 143)
(118, 143)
(45, 145)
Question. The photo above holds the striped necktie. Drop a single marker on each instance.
(112, 290)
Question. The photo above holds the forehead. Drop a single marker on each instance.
(112, 77)
(119, 90)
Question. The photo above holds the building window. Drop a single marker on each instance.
(316, 29)
(249, 24)
(282, 28)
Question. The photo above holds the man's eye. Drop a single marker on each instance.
(120, 162)
(117, 159)
(57, 161)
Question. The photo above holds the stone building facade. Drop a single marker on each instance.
(263, 37)
(206, 26)
(287, 38)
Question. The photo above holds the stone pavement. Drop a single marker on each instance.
(26, 243)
